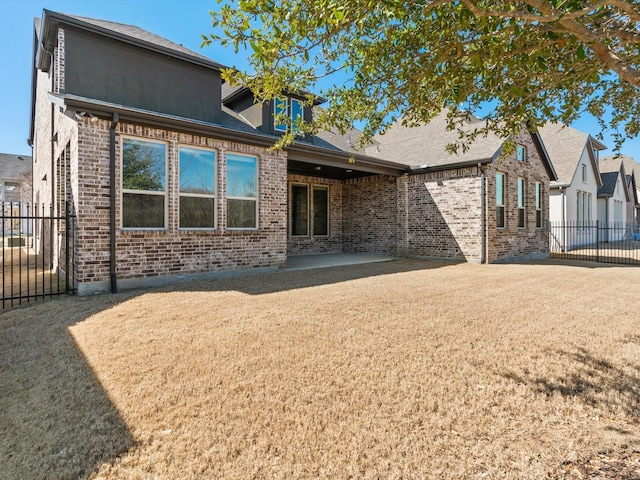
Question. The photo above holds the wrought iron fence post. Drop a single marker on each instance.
(66, 246)
(597, 240)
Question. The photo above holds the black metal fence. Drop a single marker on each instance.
(615, 242)
(38, 258)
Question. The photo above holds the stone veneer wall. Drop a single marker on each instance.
(312, 244)
(155, 253)
(369, 215)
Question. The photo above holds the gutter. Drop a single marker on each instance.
(181, 124)
(112, 204)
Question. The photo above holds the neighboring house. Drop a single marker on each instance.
(15, 178)
(632, 169)
(613, 197)
(573, 196)
(169, 171)
(15, 189)
(476, 205)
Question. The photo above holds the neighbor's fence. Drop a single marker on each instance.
(38, 258)
(615, 242)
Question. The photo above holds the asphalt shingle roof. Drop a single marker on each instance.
(564, 146)
(12, 167)
(608, 187)
(426, 144)
(612, 164)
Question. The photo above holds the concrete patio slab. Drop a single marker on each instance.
(301, 262)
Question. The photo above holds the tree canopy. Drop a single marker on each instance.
(531, 61)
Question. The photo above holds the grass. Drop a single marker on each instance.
(403, 369)
(26, 275)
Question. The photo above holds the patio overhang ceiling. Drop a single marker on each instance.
(339, 167)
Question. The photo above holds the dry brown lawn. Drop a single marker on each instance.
(25, 274)
(403, 369)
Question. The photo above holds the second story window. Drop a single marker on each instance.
(521, 153)
(287, 107)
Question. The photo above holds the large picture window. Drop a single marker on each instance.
(242, 191)
(299, 210)
(144, 166)
(500, 216)
(197, 188)
(521, 203)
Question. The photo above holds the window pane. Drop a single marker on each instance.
(520, 153)
(296, 112)
(279, 108)
(241, 213)
(197, 212)
(521, 217)
(299, 210)
(143, 165)
(500, 217)
(521, 192)
(142, 211)
(242, 176)
(539, 218)
(197, 171)
(538, 195)
(320, 211)
(499, 189)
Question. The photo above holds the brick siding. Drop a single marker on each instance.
(174, 251)
(369, 216)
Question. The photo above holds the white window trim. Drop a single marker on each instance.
(201, 195)
(327, 189)
(584, 173)
(308, 234)
(255, 199)
(145, 192)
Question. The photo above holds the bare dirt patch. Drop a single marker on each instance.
(403, 369)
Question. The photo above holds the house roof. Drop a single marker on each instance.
(611, 163)
(565, 146)
(425, 145)
(127, 33)
(609, 181)
(12, 167)
(232, 127)
(230, 93)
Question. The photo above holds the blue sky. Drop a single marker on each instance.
(179, 21)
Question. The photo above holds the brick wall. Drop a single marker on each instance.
(444, 218)
(311, 244)
(513, 242)
(369, 215)
(142, 253)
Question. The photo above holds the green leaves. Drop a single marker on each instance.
(402, 58)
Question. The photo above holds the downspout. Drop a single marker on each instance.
(483, 216)
(112, 206)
